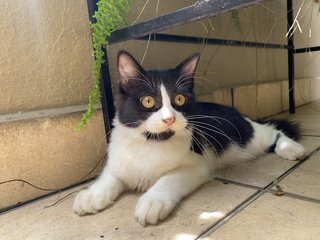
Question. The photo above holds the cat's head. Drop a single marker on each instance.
(156, 100)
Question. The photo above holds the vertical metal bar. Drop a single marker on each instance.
(105, 84)
(290, 57)
(107, 95)
(92, 7)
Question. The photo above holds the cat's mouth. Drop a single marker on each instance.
(162, 136)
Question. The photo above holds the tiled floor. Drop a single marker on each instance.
(239, 205)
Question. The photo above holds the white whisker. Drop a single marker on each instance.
(150, 82)
(179, 80)
(215, 118)
(214, 149)
(215, 131)
(145, 82)
(202, 133)
(201, 147)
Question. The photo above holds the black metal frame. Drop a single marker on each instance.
(199, 10)
(211, 41)
(290, 57)
(106, 85)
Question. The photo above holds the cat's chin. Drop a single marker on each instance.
(161, 136)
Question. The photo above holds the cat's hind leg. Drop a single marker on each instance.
(273, 136)
(288, 149)
(99, 195)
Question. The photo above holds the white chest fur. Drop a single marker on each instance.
(139, 163)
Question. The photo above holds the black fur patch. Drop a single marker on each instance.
(289, 128)
(159, 136)
(218, 126)
(274, 145)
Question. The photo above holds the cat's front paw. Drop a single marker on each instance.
(150, 209)
(90, 202)
(289, 149)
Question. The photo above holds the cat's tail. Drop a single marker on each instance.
(290, 128)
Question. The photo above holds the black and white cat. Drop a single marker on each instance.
(164, 142)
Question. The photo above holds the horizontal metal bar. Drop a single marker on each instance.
(199, 10)
(211, 41)
(304, 50)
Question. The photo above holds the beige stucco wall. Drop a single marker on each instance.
(48, 153)
(45, 63)
(45, 54)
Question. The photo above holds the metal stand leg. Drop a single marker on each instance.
(290, 58)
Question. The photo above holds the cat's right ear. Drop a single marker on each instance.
(129, 69)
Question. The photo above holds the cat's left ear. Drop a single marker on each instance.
(129, 69)
(188, 67)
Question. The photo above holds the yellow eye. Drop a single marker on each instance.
(179, 100)
(148, 102)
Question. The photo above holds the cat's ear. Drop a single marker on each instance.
(188, 67)
(129, 68)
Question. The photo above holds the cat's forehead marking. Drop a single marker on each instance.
(166, 110)
(165, 96)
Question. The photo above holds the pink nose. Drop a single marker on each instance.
(169, 121)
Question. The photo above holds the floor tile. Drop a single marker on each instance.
(260, 172)
(195, 214)
(272, 217)
(305, 179)
(308, 116)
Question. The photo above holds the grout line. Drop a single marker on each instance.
(310, 135)
(227, 181)
(232, 97)
(230, 214)
(286, 173)
(287, 194)
(300, 197)
(252, 198)
(234, 211)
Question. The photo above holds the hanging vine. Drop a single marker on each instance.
(236, 20)
(109, 16)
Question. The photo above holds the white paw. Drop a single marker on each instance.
(150, 209)
(90, 202)
(289, 149)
